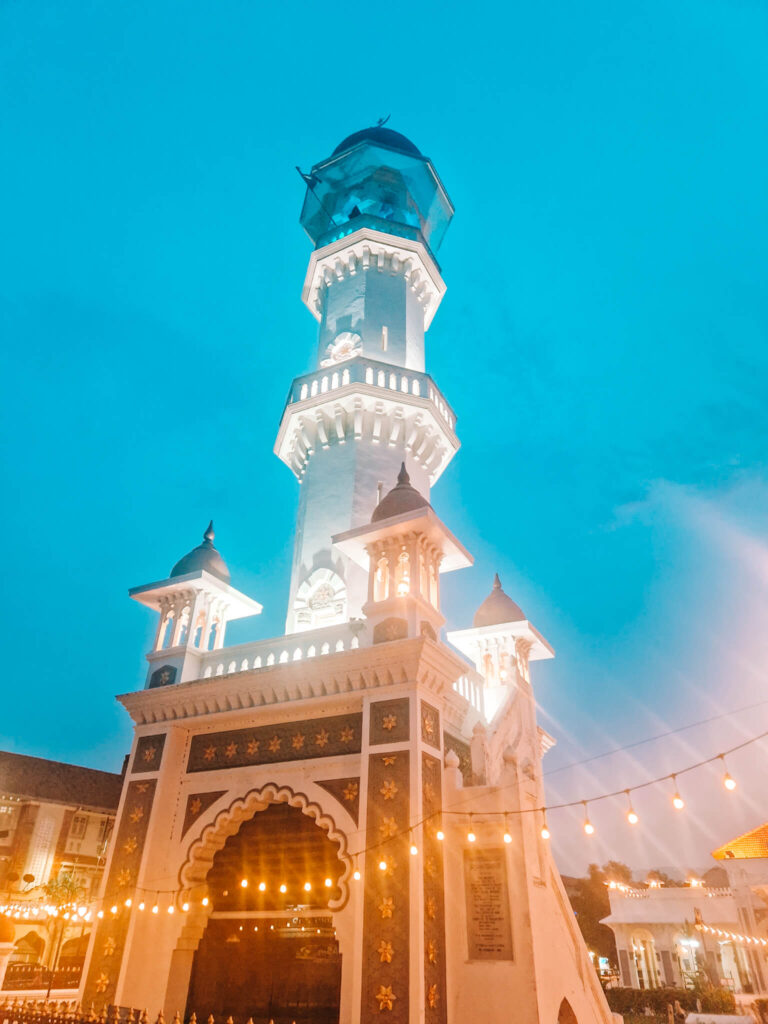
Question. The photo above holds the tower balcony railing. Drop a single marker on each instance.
(313, 643)
(368, 220)
(471, 686)
(373, 373)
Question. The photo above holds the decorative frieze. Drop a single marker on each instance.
(347, 792)
(149, 754)
(111, 930)
(272, 744)
(197, 804)
(390, 721)
(430, 725)
(434, 901)
(386, 909)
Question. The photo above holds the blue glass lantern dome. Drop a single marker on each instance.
(376, 178)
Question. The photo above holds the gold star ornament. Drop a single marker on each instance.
(385, 951)
(102, 982)
(389, 722)
(386, 907)
(347, 734)
(389, 790)
(149, 754)
(385, 997)
(130, 844)
(297, 742)
(274, 744)
(388, 828)
(321, 740)
(432, 997)
(195, 805)
(110, 946)
(350, 792)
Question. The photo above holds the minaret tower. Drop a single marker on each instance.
(376, 212)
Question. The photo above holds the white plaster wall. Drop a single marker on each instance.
(339, 491)
(366, 302)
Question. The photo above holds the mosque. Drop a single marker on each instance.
(344, 823)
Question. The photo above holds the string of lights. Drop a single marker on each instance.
(654, 739)
(721, 933)
(150, 899)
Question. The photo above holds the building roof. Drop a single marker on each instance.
(204, 556)
(380, 137)
(402, 498)
(497, 608)
(749, 846)
(35, 778)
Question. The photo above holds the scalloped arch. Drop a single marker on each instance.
(202, 850)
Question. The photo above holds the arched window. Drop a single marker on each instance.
(167, 632)
(197, 639)
(184, 630)
(381, 580)
(403, 573)
(213, 635)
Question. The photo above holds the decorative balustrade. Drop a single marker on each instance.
(471, 687)
(261, 654)
(375, 374)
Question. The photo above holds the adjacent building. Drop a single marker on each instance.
(658, 943)
(55, 823)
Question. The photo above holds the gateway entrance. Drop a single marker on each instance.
(269, 951)
(272, 969)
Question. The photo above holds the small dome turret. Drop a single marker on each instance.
(497, 608)
(402, 498)
(204, 556)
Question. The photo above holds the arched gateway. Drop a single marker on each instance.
(269, 950)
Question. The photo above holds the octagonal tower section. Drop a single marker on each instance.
(376, 212)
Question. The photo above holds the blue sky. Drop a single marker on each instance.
(602, 342)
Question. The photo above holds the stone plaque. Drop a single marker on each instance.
(489, 929)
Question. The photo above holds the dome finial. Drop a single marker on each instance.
(402, 476)
(496, 581)
(209, 535)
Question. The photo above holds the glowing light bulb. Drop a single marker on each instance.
(507, 837)
(414, 849)
(328, 883)
(356, 875)
(283, 888)
(112, 910)
(632, 818)
(382, 865)
(589, 828)
(205, 901)
(171, 908)
(545, 833)
(155, 909)
(677, 801)
(307, 887)
(142, 905)
(262, 886)
(99, 913)
(244, 883)
(440, 835)
(185, 907)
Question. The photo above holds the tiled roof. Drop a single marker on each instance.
(35, 778)
(750, 845)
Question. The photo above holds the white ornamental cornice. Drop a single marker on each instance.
(367, 249)
(333, 677)
(374, 408)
